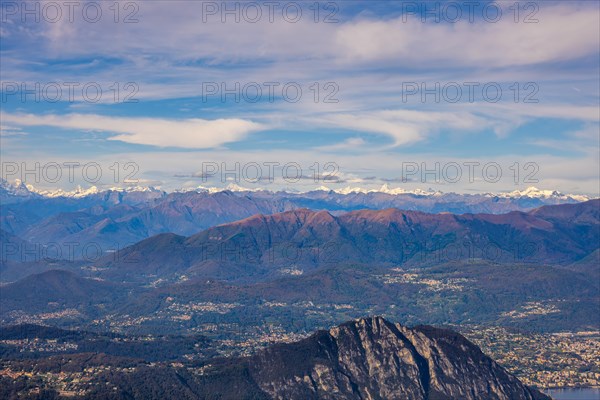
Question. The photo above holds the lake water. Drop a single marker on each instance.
(574, 394)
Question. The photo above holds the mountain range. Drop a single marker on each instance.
(412, 266)
(113, 219)
(127, 265)
(258, 247)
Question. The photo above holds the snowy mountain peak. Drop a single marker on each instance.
(533, 192)
(17, 189)
(77, 193)
(20, 189)
(232, 187)
(385, 188)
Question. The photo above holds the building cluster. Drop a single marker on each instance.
(562, 360)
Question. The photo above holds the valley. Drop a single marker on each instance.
(169, 302)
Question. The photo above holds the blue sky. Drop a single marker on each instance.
(371, 61)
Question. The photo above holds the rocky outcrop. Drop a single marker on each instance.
(372, 358)
(365, 359)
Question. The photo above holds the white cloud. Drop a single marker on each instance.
(583, 141)
(563, 32)
(405, 126)
(6, 131)
(355, 143)
(186, 133)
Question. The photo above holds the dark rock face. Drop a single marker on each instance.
(374, 359)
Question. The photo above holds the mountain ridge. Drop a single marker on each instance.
(118, 218)
(309, 240)
(19, 188)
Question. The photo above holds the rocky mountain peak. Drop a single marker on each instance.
(372, 358)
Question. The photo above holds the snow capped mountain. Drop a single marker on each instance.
(18, 188)
(17, 191)
(232, 187)
(383, 189)
(387, 190)
(530, 192)
(320, 189)
(127, 215)
(77, 193)
(80, 192)
(22, 190)
(533, 192)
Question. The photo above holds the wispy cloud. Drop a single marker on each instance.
(6, 131)
(404, 126)
(563, 32)
(186, 133)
